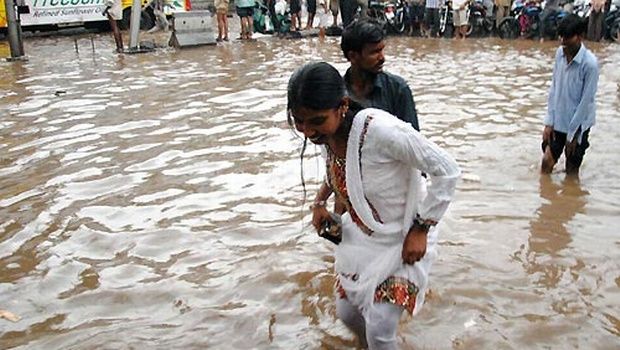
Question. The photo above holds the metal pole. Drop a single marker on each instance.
(13, 30)
(134, 26)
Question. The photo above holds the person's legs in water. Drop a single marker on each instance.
(220, 27)
(293, 22)
(250, 26)
(382, 325)
(295, 9)
(221, 9)
(310, 21)
(116, 33)
(352, 318)
(311, 7)
(334, 6)
(225, 22)
(242, 21)
(113, 12)
(435, 29)
(574, 160)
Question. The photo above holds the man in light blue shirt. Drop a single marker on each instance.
(571, 109)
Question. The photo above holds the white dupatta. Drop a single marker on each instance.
(386, 235)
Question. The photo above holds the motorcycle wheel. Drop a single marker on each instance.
(508, 28)
(471, 27)
(476, 28)
(614, 32)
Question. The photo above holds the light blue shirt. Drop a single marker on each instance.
(571, 103)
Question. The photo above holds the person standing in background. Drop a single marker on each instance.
(114, 13)
(595, 21)
(245, 10)
(311, 7)
(416, 16)
(221, 10)
(295, 7)
(334, 7)
(459, 18)
(431, 17)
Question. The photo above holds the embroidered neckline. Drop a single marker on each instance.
(336, 176)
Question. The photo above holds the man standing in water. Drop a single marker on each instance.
(362, 45)
(571, 110)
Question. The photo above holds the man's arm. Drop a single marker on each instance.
(405, 107)
(587, 105)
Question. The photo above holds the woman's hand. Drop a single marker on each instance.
(414, 247)
(319, 216)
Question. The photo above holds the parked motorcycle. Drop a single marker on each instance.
(523, 21)
(395, 16)
(446, 23)
(611, 23)
(390, 15)
(480, 22)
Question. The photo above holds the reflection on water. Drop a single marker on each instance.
(549, 235)
(154, 201)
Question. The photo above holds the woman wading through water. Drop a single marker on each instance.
(374, 161)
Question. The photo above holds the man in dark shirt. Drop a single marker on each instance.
(362, 45)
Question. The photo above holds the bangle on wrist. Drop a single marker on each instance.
(424, 224)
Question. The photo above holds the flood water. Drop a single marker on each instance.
(155, 201)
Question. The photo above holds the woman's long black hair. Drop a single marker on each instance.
(318, 86)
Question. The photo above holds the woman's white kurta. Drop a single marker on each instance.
(386, 171)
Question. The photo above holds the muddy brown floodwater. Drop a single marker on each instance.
(155, 202)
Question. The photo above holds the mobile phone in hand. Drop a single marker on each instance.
(332, 229)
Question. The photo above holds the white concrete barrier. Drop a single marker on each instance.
(193, 28)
